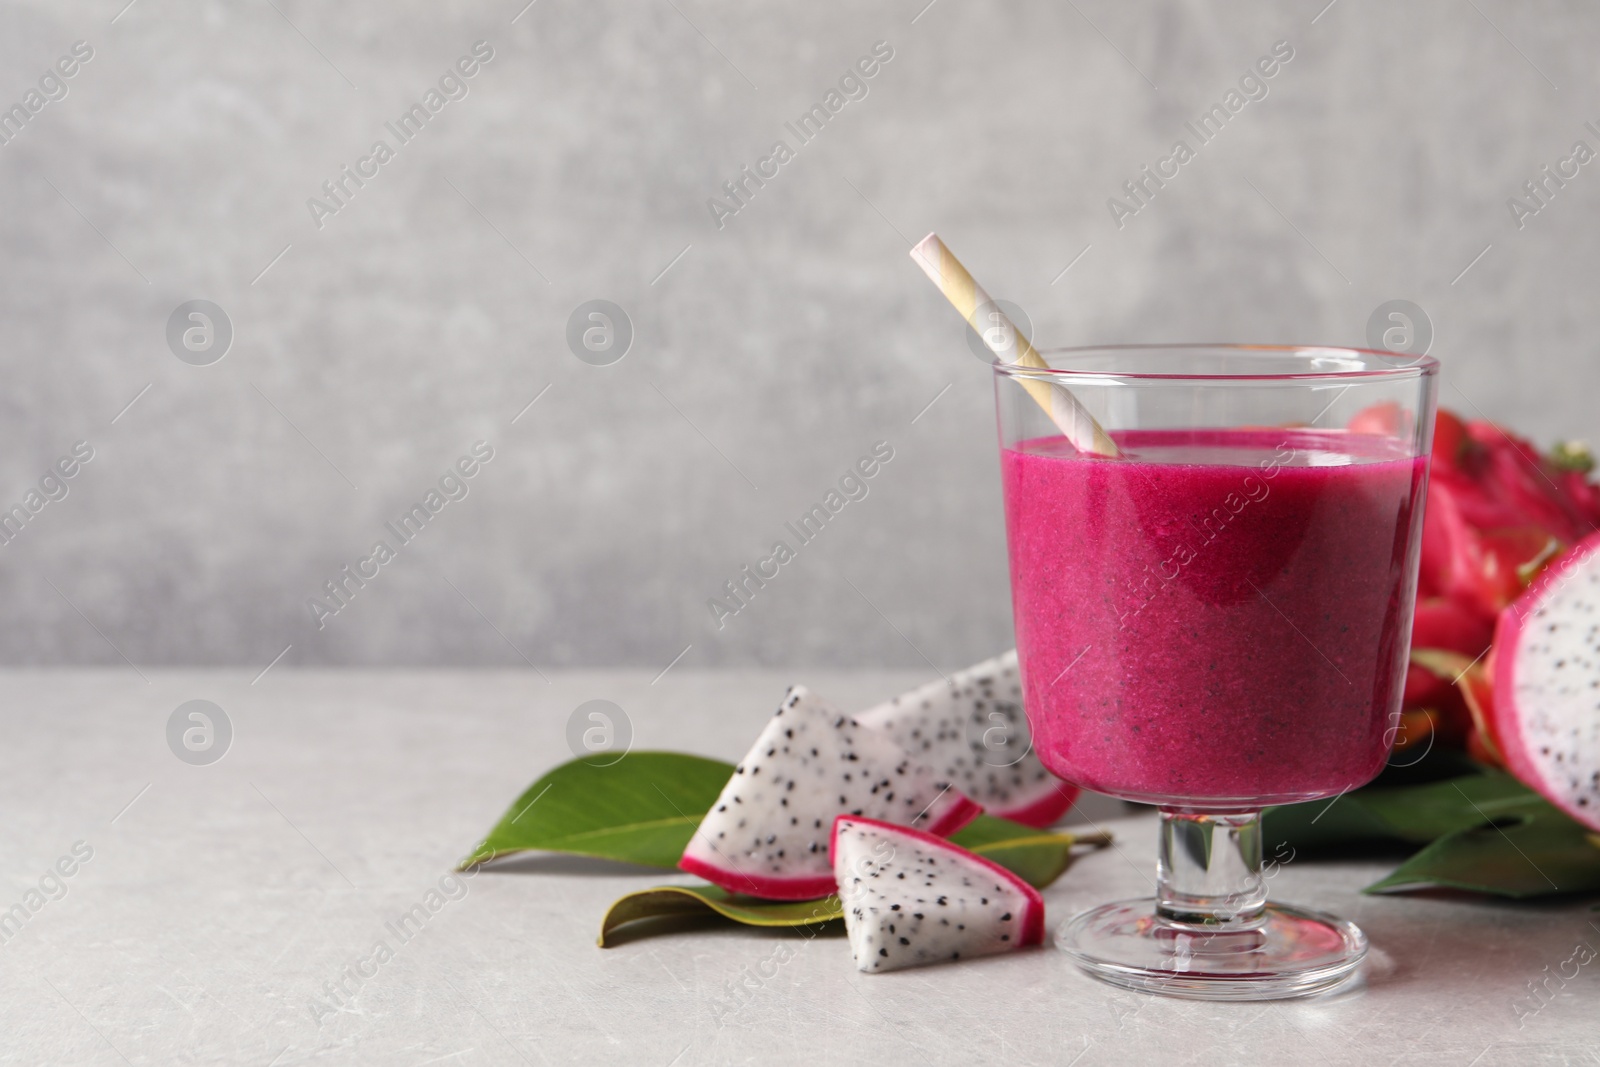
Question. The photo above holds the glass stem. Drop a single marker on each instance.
(1208, 872)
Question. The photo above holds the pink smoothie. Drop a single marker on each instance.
(1219, 617)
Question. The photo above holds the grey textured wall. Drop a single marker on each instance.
(768, 354)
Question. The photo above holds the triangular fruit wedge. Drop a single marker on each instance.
(972, 730)
(912, 899)
(767, 835)
(1546, 713)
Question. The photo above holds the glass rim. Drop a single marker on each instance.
(1373, 364)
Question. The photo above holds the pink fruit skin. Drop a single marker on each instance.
(1032, 918)
(1441, 623)
(1046, 810)
(953, 818)
(1503, 714)
(755, 886)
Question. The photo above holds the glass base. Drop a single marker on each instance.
(1282, 952)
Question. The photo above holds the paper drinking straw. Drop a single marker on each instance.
(1070, 416)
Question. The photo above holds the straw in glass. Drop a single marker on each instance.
(968, 297)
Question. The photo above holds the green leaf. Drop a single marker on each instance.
(1324, 823)
(670, 901)
(1487, 833)
(1537, 852)
(1412, 814)
(1037, 856)
(1423, 813)
(641, 809)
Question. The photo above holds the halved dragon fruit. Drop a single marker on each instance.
(767, 835)
(910, 898)
(1546, 709)
(972, 730)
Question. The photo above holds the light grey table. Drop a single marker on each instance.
(222, 902)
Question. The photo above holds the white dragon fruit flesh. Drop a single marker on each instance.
(910, 898)
(973, 731)
(767, 835)
(1546, 708)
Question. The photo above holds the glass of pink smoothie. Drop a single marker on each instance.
(1216, 621)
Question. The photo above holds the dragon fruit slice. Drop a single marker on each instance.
(910, 898)
(1546, 708)
(767, 835)
(972, 730)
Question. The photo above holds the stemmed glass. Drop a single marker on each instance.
(1216, 621)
